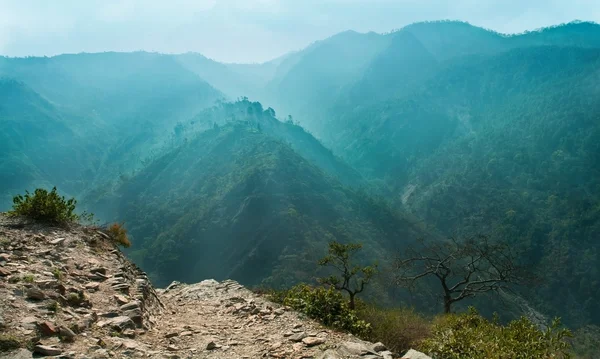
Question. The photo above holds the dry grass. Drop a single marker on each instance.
(399, 329)
(118, 234)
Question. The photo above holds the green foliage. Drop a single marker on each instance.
(8, 342)
(348, 279)
(45, 206)
(53, 306)
(57, 273)
(326, 305)
(27, 278)
(399, 329)
(469, 335)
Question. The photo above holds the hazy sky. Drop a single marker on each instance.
(247, 30)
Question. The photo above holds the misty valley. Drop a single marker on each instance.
(437, 168)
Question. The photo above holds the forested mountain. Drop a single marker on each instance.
(500, 145)
(40, 145)
(462, 128)
(235, 202)
(109, 112)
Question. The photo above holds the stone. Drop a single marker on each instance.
(211, 345)
(353, 348)
(2, 322)
(17, 354)
(171, 335)
(329, 354)
(413, 354)
(47, 329)
(279, 311)
(66, 334)
(109, 315)
(121, 323)
(186, 334)
(129, 333)
(35, 294)
(29, 322)
(378, 347)
(387, 354)
(47, 350)
(4, 272)
(136, 316)
(103, 235)
(121, 287)
(298, 337)
(121, 299)
(57, 241)
(312, 341)
(97, 270)
(92, 286)
(172, 348)
(129, 306)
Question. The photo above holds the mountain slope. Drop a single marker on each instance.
(233, 202)
(38, 146)
(121, 104)
(503, 145)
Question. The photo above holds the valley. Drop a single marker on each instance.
(247, 171)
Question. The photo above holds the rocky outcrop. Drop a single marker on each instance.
(72, 294)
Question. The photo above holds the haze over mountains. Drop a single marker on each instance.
(434, 130)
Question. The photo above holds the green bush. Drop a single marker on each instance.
(398, 328)
(324, 304)
(469, 335)
(45, 206)
(8, 343)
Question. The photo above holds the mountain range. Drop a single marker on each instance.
(246, 171)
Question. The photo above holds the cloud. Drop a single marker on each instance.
(247, 30)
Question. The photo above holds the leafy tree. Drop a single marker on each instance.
(352, 278)
(464, 268)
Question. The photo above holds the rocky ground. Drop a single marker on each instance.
(70, 293)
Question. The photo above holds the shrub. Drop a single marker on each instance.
(469, 335)
(118, 234)
(8, 343)
(399, 328)
(45, 206)
(324, 304)
(57, 273)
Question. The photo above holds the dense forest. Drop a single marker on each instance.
(240, 171)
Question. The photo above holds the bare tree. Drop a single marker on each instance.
(464, 268)
(352, 278)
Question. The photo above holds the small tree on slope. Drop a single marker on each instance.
(464, 268)
(351, 278)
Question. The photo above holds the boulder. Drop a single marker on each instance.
(47, 329)
(353, 348)
(313, 341)
(298, 337)
(121, 323)
(413, 354)
(35, 294)
(47, 350)
(378, 347)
